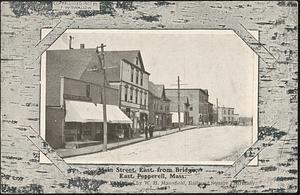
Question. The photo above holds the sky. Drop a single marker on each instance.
(217, 60)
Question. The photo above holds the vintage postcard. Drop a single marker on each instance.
(149, 97)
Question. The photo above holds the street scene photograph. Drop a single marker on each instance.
(149, 96)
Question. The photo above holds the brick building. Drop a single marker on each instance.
(159, 107)
(198, 109)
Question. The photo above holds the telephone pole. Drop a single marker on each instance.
(217, 111)
(178, 94)
(178, 83)
(102, 62)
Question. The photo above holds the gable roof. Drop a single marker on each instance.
(68, 63)
(73, 63)
(158, 90)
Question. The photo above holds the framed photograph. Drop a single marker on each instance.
(149, 97)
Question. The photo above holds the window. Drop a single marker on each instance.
(191, 108)
(141, 97)
(137, 77)
(141, 79)
(137, 60)
(145, 100)
(88, 90)
(161, 107)
(132, 70)
(131, 94)
(136, 95)
(224, 111)
(126, 93)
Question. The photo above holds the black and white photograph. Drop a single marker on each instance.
(149, 96)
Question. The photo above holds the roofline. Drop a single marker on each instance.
(88, 82)
(189, 89)
(135, 66)
(225, 107)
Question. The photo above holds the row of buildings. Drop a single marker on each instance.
(74, 97)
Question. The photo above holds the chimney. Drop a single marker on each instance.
(70, 42)
(81, 46)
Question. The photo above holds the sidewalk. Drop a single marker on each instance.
(64, 153)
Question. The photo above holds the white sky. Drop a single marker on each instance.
(217, 60)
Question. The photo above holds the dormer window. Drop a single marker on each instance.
(137, 60)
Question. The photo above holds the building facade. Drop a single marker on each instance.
(199, 106)
(159, 107)
(226, 115)
(211, 114)
(74, 97)
(126, 72)
(184, 110)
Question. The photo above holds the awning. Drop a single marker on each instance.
(84, 112)
(175, 117)
(114, 114)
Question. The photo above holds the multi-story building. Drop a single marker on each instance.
(226, 115)
(184, 110)
(159, 107)
(211, 117)
(126, 72)
(198, 103)
(74, 97)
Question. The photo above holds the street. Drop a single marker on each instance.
(225, 143)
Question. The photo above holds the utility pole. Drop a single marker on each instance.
(178, 93)
(178, 83)
(101, 59)
(217, 111)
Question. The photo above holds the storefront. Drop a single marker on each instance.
(84, 122)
